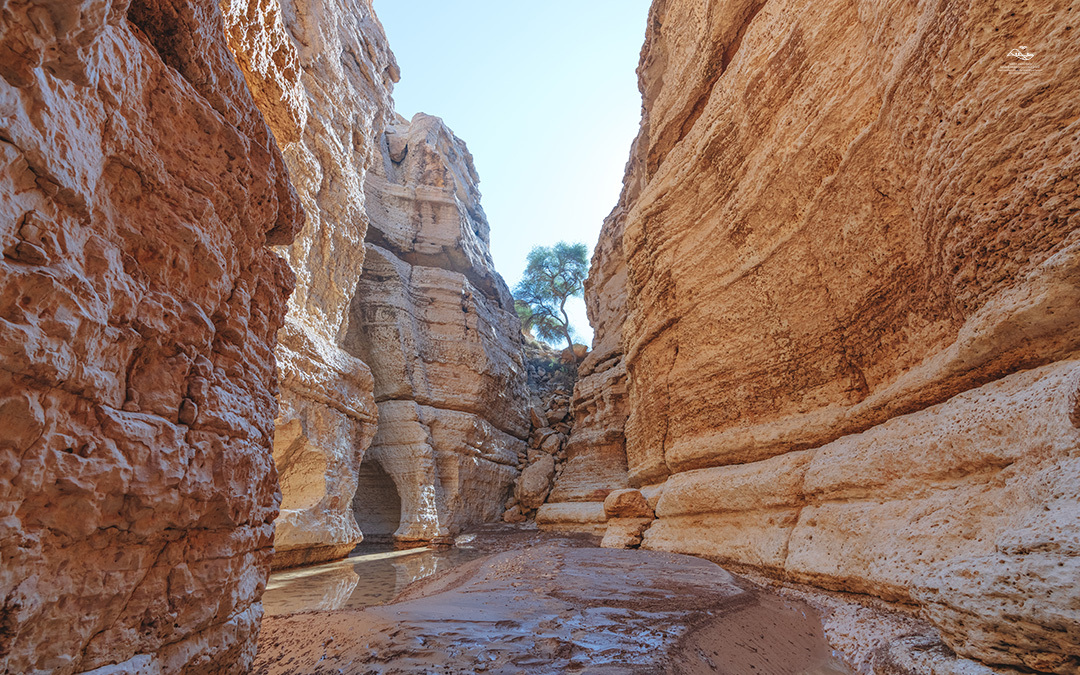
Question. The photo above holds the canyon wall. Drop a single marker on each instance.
(418, 301)
(437, 326)
(851, 242)
(138, 315)
(322, 73)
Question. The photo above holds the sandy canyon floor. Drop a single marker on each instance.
(518, 601)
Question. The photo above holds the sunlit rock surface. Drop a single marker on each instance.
(322, 73)
(436, 324)
(138, 315)
(850, 239)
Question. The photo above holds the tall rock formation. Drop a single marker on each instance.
(138, 314)
(437, 326)
(321, 71)
(852, 315)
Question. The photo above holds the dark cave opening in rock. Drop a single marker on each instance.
(377, 504)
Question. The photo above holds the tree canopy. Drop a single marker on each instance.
(552, 276)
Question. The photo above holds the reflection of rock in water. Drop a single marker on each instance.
(306, 589)
(550, 609)
(372, 575)
(413, 568)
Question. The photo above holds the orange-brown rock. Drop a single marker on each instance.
(850, 234)
(328, 113)
(624, 532)
(138, 312)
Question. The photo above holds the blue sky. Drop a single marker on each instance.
(544, 94)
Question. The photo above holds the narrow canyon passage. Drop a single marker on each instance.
(267, 405)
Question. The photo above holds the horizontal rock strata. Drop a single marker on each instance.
(436, 324)
(138, 312)
(328, 113)
(851, 315)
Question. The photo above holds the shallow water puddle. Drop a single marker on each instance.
(537, 609)
(371, 575)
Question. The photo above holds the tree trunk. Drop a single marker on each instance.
(566, 329)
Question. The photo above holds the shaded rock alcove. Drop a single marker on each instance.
(377, 504)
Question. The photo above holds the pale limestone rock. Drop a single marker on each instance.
(139, 187)
(514, 515)
(446, 467)
(836, 296)
(322, 73)
(968, 508)
(652, 494)
(436, 324)
(845, 373)
(585, 517)
(624, 532)
(535, 481)
(919, 655)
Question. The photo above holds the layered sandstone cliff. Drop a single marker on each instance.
(852, 319)
(138, 315)
(321, 71)
(436, 324)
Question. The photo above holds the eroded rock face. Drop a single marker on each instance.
(139, 310)
(436, 324)
(322, 73)
(851, 317)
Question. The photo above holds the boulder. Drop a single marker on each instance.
(624, 532)
(514, 515)
(628, 503)
(535, 481)
(553, 443)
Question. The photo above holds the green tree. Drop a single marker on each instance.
(552, 276)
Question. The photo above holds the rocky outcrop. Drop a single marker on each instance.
(545, 459)
(851, 309)
(437, 326)
(321, 71)
(138, 315)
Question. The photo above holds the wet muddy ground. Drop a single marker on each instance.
(525, 602)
